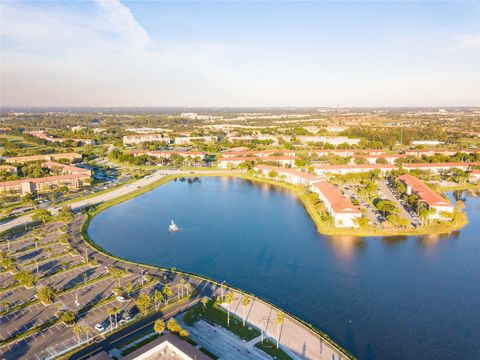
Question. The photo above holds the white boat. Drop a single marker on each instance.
(173, 227)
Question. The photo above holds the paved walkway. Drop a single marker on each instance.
(301, 341)
(222, 343)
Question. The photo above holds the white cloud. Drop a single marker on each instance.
(123, 21)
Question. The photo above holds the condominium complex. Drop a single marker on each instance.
(338, 206)
(427, 195)
(71, 176)
(141, 138)
(44, 157)
(167, 154)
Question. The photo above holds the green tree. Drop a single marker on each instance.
(173, 326)
(167, 291)
(6, 304)
(87, 330)
(159, 326)
(45, 294)
(68, 317)
(25, 278)
(362, 221)
(129, 288)
(228, 301)
(246, 300)
(157, 298)
(77, 330)
(143, 302)
(280, 319)
(65, 214)
(43, 215)
(204, 301)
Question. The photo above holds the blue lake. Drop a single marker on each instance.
(381, 298)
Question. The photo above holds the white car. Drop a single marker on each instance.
(99, 327)
(121, 299)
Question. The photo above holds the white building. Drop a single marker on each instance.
(166, 154)
(259, 153)
(427, 142)
(439, 167)
(186, 140)
(195, 116)
(333, 140)
(141, 138)
(322, 169)
(289, 175)
(427, 195)
(372, 159)
(338, 206)
(231, 162)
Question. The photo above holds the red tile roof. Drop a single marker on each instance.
(425, 193)
(362, 166)
(67, 168)
(446, 165)
(238, 159)
(259, 152)
(43, 157)
(43, 179)
(165, 152)
(338, 202)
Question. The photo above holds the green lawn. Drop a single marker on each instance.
(214, 314)
(270, 347)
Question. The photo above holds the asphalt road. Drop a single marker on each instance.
(101, 198)
(132, 331)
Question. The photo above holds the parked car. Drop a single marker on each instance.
(121, 299)
(99, 327)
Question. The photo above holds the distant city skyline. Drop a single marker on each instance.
(239, 54)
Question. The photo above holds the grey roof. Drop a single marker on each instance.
(180, 344)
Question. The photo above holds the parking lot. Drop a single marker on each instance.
(85, 288)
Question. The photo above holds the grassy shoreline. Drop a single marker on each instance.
(324, 228)
(89, 242)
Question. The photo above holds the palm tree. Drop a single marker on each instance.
(157, 298)
(87, 330)
(129, 288)
(188, 288)
(246, 300)
(117, 290)
(182, 284)
(77, 330)
(167, 292)
(85, 278)
(110, 312)
(6, 304)
(204, 301)
(49, 251)
(64, 265)
(228, 301)
(280, 318)
(178, 290)
(159, 326)
(143, 302)
(115, 311)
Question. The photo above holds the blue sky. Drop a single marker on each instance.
(133, 53)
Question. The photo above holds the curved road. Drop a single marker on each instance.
(103, 197)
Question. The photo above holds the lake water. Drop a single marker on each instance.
(381, 298)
